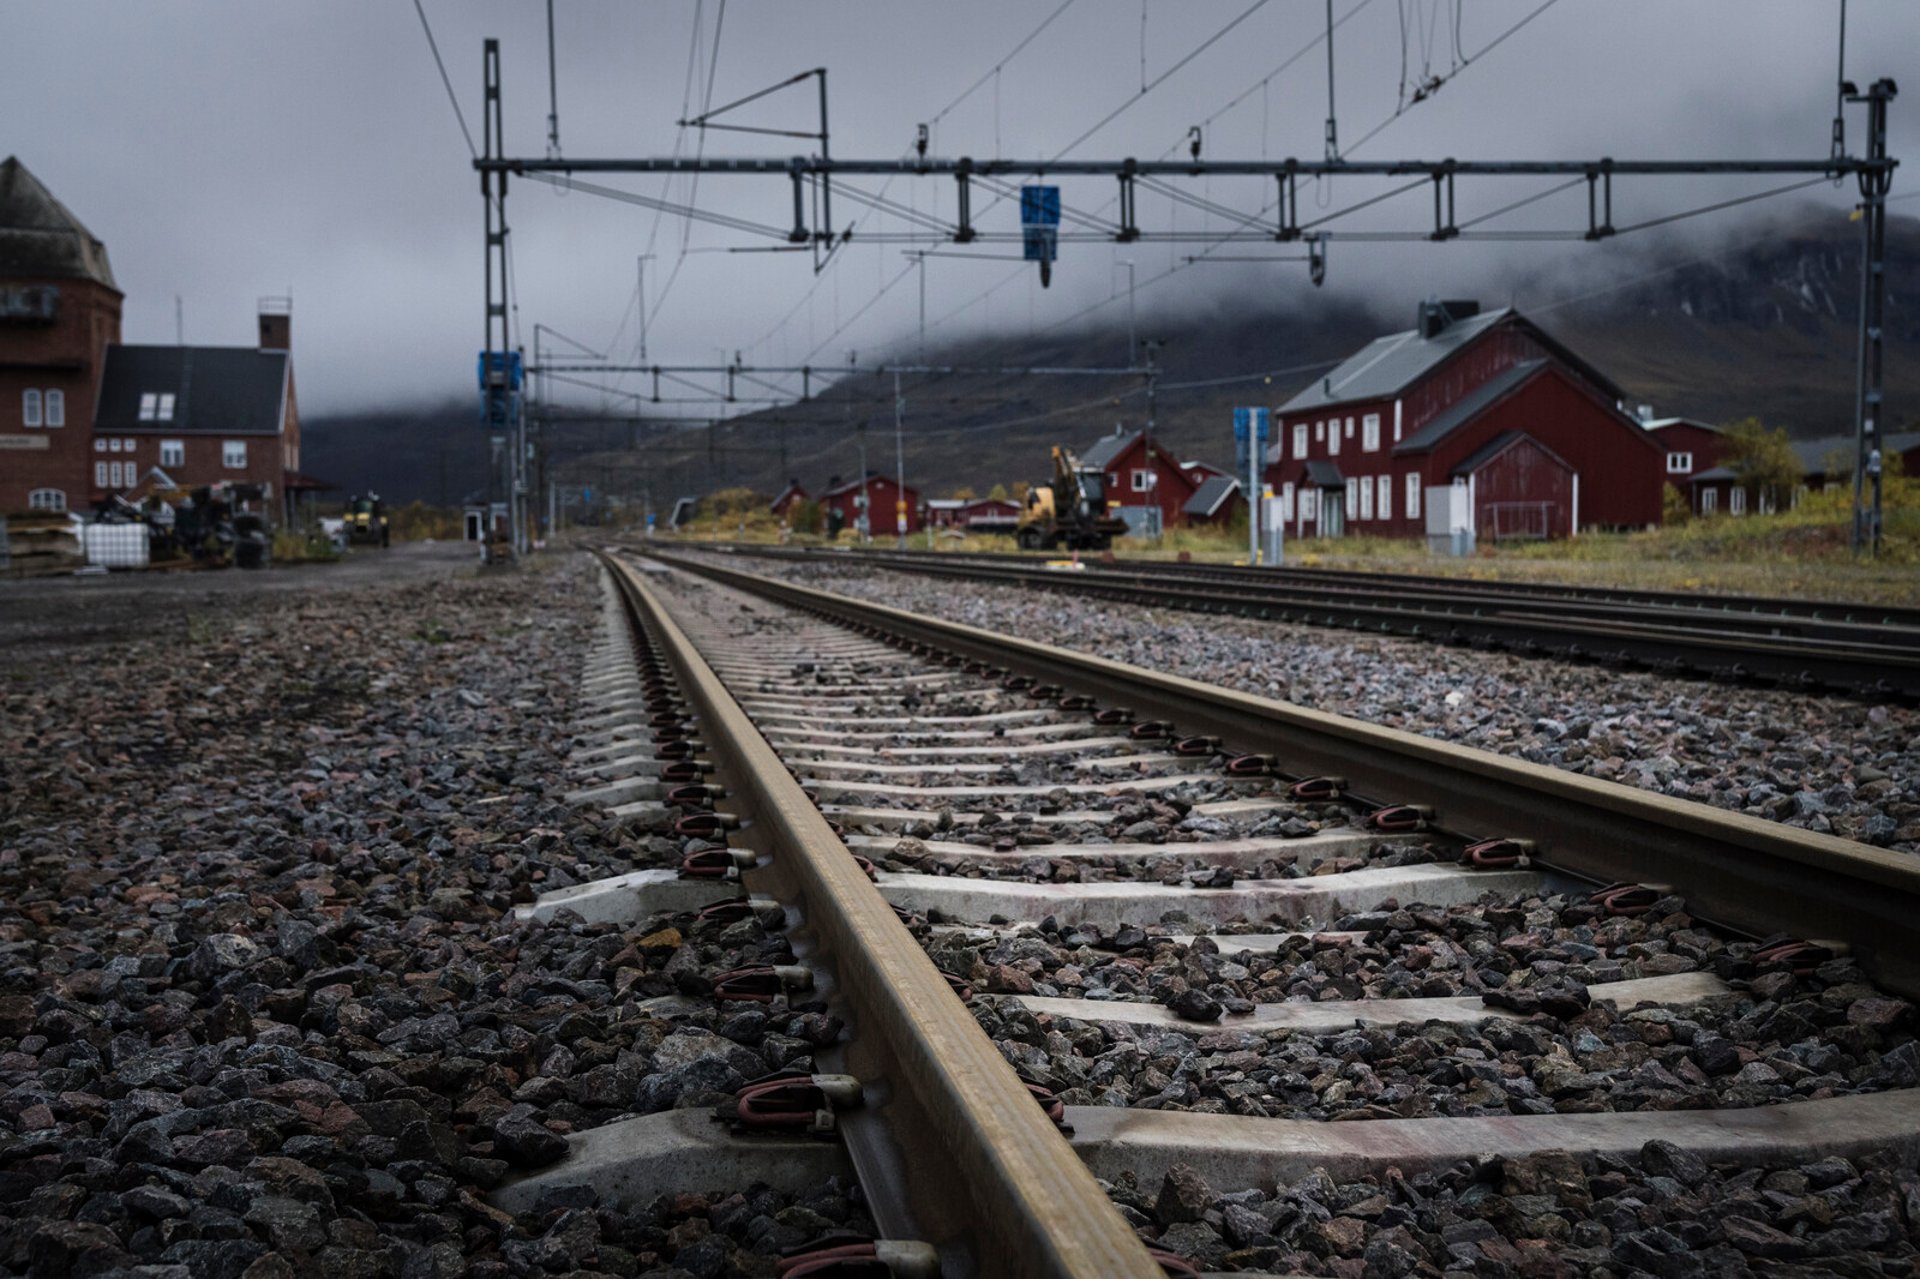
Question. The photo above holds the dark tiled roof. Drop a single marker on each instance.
(1470, 406)
(1106, 449)
(217, 390)
(40, 238)
(1324, 474)
(1209, 496)
(1498, 445)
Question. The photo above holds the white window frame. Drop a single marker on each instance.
(1366, 498)
(173, 453)
(149, 405)
(229, 451)
(1300, 440)
(1709, 501)
(1384, 503)
(56, 408)
(30, 416)
(1413, 495)
(99, 475)
(166, 407)
(1349, 428)
(1142, 480)
(1333, 438)
(1370, 433)
(113, 444)
(1286, 501)
(1768, 503)
(1737, 501)
(1679, 463)
(1309, 503)
(99, 444)
(1319, 431)
(47, 500)
(1353, 504)
(116, 476)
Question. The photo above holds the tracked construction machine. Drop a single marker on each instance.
(1069, 511)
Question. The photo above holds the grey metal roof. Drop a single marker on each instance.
(1106, 449)
(217, 390)
(1711, 476)
(1209, 496)
(1470, 406)
(1389, 364)
(1386, 366)
(1813, 453)
(1324, 474)
(40, 238)
(1496, 446)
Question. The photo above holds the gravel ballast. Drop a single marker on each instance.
(264, 1009)
(1833, 765)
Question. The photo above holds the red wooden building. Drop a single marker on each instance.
(1693, 448)
(790, 497)
(1356, 451)
(1145, 483)
(879, 493)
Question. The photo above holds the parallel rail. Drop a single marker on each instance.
(1806, 649)
(1742, 873)
(981, 1168)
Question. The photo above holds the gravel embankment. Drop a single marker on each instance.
(1827, 764)
(263, 1010)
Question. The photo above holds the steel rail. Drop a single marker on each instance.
(1704, 647)
(985, 1173)
(1752, 875)
(1851, 612)
(1295, 586)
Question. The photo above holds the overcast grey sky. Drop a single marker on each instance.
(229, 149)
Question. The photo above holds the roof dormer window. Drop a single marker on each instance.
(166, 408)
(149, 404)
(156, 406)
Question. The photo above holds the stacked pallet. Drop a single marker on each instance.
(42, 543)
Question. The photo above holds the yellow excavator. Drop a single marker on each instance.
(1070, 511)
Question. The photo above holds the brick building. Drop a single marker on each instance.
(1486, 403)
(203, 415)
(59, 313)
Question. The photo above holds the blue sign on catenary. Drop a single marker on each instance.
(1040, 206)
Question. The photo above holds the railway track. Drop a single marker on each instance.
(1860, 650)
(1124, 957)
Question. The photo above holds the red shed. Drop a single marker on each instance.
(790, 497)
(1518, 489)
(1693, 448)
(989, 515)
(1357, 450)
(1141, 476)
(880, 494)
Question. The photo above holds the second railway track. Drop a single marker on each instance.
(1861, 650)
(1210, 928)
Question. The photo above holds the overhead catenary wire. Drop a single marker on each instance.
(452, 97)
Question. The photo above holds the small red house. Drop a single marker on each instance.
(1142, 477)
(1693, 447)
(790, 497)
(1217, 501)
(1357, 450)
(989, 515)
(881, 495)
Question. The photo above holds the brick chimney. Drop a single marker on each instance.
(276, 324)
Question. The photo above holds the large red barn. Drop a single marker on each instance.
(1357, 451)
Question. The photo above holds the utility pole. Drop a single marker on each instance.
(899, 465)
(1868, 408)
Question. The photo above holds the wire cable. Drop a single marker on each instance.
(452, 97)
